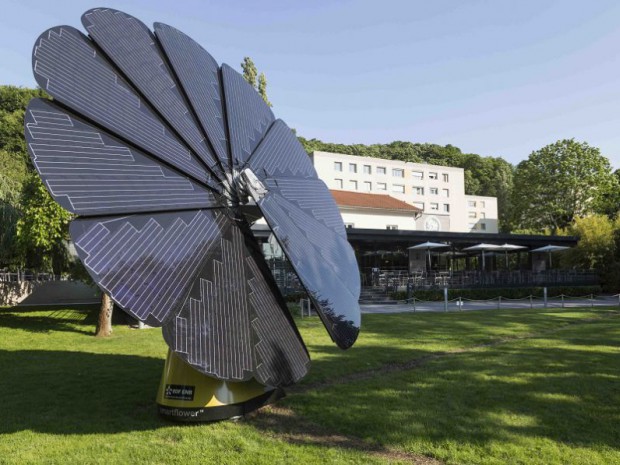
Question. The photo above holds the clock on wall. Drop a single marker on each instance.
(432, 224)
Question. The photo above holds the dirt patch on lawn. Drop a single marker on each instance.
(283, 423)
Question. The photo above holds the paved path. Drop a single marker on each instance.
(488, 305)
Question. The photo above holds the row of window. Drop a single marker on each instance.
(432, 191)
(367, 186)
(473, 203)
(480, 215)
(388, 226)
(396, 172)
(433, 206)
(382, 186)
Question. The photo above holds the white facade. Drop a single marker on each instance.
(368, 218)
(438, 190)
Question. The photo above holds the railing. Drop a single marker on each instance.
(531, 301)
(29, 276)
(392, 280)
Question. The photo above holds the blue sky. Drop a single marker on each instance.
(498, 78)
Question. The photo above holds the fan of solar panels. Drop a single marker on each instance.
(161, 152)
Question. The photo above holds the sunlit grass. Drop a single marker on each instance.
(547, 390)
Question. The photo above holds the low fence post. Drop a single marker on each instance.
(461, 303)
(545, 296)
(414, 303)
(445, 298)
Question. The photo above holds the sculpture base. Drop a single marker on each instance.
(189, 396)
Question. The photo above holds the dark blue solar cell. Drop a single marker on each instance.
(198, 73)
(147, 263)
(69, 68)
(324, 262)
(248, 115)
(235, 300)
(132, 47)
(281, 155)
(89, 172)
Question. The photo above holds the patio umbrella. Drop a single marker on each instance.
(549, 249)
(482, 248)
(427, 246)
(509, 247)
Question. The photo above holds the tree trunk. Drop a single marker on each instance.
(104, 322)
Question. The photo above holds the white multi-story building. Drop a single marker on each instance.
(438, 191)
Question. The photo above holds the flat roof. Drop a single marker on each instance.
(460, 239)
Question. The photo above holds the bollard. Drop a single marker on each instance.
(460, 303)
(562, 296)
(414, 303)
(445, 299)
(545, 296)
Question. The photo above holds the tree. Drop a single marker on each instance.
(560, 182)
(42, 230)
(250, 74)
(262, 88)
(249, 71)
(598, 248)
(13, 174)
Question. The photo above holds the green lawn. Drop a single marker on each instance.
(489, 387)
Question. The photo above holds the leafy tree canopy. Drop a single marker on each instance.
(560, 182)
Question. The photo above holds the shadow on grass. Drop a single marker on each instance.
(80, 319)
(564, 388)
(63, 392)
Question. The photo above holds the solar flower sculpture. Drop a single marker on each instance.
(162, 154)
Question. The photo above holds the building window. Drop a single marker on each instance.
(434, 206)
(445, 192)
(471, 203)
(352, 168)
(434, 191)
(483, 227)
(419, 190)
(432, 175)
(472, 215)
(367, 169)
(398, 173)
(381, 186)
(349, 225)
(417, 175)
(420, 205)
(446, 207)
(338, 183)
(446, 178)
(337, 166)
(353, 185)
(381, 170)
(398, 188)
(392, 227)
(483, 215)
(367, 186)
(482, 204)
